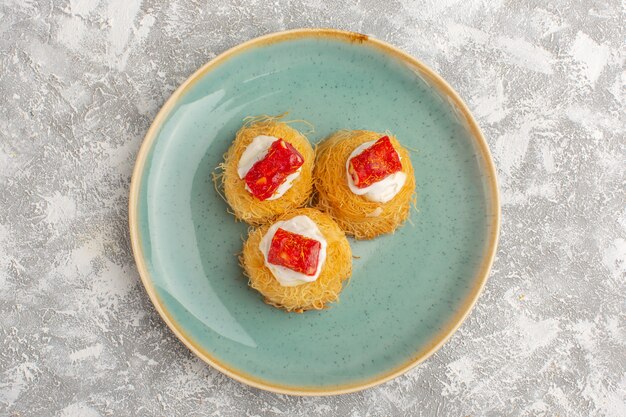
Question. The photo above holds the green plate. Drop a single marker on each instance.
(408, 292)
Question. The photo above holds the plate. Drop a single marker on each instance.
(408, 292)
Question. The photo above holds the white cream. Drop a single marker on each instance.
(256, 150)
(381, 191)
(301, 225)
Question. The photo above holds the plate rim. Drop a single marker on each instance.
(436, 341)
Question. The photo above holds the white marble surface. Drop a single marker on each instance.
(81, 80)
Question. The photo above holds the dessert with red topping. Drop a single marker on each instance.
(267, 171)
(365, 180)
(299, 262)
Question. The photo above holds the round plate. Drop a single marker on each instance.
(408, 291)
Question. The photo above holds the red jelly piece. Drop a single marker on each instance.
(375, 163)
(269, 173)
(295, 252)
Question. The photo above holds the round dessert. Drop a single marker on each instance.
(365, 181)
(267, 170)
(299, 262)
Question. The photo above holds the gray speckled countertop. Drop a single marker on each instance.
(80, 82)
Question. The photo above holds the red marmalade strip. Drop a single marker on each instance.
(295, 252)
(375, 163)
(269, 173)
